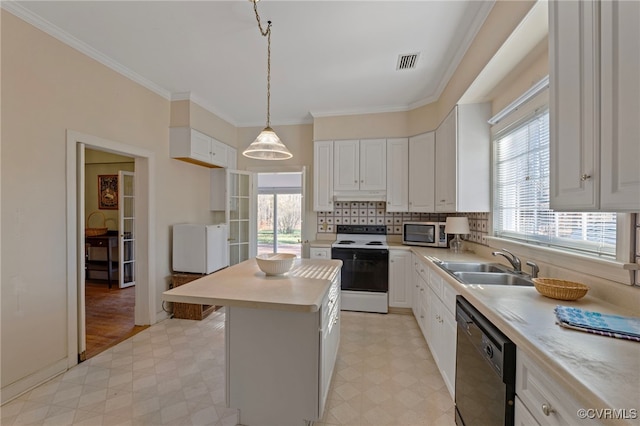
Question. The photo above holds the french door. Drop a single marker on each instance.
(240, 216)
(126, 242)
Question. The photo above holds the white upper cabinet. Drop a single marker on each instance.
(397, 175)
(346, 165)
(620, 105)
(463, 160)
(323, 176)
(594, 53)
(360, 165)
(194, 147)
(422, 150)
(373, 164)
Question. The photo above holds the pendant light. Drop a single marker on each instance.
(267, 145)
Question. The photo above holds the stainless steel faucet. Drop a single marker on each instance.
(534, 269)
(512, 258)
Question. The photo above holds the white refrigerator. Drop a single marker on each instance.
(199, 249)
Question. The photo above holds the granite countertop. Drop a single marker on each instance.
(598, 371)
(245, 285)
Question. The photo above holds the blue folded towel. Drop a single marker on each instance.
(598, 323)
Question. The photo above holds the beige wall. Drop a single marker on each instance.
(101, 163)
(528, 72)
(390, 124)
(47, 88)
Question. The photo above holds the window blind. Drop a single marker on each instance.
(521, 195)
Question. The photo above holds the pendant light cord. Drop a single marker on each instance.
(266, 33)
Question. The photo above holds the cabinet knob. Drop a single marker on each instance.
(585, 177)
(362, 181)
(355, 181)
(547, 409)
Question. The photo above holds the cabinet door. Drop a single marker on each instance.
(620, 105)
(445, 191)
(425, 311)
(415, 297)
(346, 165)
(447, 348)
(573, 105)
(422, 150)
(200, 146)
(522, 416)
(400, 278)
(232, 158)
(323, 176)
(373, 164)
(218, 153)
(397, 175)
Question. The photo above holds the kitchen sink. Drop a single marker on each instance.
(453, 267)
(493, 278)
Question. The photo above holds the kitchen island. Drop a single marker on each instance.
(281, 333)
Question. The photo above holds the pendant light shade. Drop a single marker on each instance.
(267, 146)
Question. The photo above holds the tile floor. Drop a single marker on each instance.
(173, 374)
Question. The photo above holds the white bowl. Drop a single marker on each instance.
(275, 263)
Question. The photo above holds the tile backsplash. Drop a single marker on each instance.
(374, 213)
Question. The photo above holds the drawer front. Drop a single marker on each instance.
(547, 401)
(320, 253)
(423, 270)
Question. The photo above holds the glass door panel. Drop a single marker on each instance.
(239, 215)
(126, 242)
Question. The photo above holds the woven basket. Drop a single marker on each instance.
(560, 289)
(94, 232)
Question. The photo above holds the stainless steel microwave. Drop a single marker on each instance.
(428, 234)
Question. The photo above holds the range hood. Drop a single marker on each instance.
(360, 196)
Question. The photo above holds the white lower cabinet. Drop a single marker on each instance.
(434, 308)
(543, 398)
(442, 342)
(522, 416)
(301, 349)
(400, 282)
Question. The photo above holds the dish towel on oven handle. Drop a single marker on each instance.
(598, 323)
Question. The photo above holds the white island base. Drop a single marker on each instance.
(275, 365)
(282, 335)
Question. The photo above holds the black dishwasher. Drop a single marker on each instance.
(485, 370)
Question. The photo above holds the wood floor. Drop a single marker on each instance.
(110, 316)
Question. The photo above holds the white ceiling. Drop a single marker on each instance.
(328, 57)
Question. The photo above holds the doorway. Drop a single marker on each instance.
(144, 291)
(280, 212)
(109, 239)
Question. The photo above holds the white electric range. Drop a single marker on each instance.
(364, 253)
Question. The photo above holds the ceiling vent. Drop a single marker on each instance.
(407, 61)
